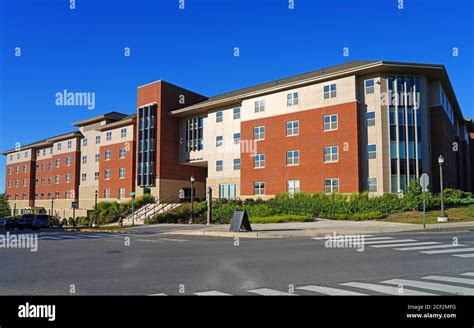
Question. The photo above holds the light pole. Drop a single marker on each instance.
(52, 206)
(94, 224)
(14, 210)
(442, 217)
(192, 199)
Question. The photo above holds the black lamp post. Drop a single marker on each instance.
(192, 199)
(14, 210)
(94, 224)
(442, 217)
(52, 205)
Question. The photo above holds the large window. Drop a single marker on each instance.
(259, 133)
(331, 154)
(370, 118)
(146, 156)
(330, 122)
(292, 157)
(293, 186)
(369, 86)
(331, 185)
(329, 91)
(259, 161)
(292, 128)
(372, 151)
(219, 165)
(228, 191)
(372, 184)
(259, 105)
(195, 134)
(292, 99)
(259, 188)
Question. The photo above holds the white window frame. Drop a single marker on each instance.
(371, 184)
(122, 172)
(370, 121)
(260, 135)
(108, 154)
(293, 186)
(219, 165)
(259, 105)
(331, 122)
(333, 186)
(108, 135)
(236, 166)
(331, 154)
(107, 174)
(259, 161)
(330, 91)
(123, 133)
(369, 89)
(259, 188)
(219, 141)
(292, 130)
(292, 99)
(236, 113)
(294, 159)
(371, 154)
(219, 116)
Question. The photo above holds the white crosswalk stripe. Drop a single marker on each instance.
(406, 244)
(269, 292)
(444, 251)
(50, 238)
(70, 237)
(451, 279)
(159, 294)
(428, 247)
(450, 289)
(384, 289)
(464, 255)
(212, 293)
(467, 274)
(365, 236)
(329, 290)
(376, 242)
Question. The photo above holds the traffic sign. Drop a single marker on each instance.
(132, 194)
(424, 182)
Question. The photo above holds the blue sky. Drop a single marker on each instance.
(83, 49)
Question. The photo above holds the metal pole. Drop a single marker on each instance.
(52, 206)
(192, 201)
(133, 209)
(443, 213)
(94, 224)
(424, 210)
(209, 205)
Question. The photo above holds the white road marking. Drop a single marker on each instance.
(71, 237)
(89, 236)
(269, 292)
(328, 290)
(388, 241)
(212, 293)
(444, 251)
(451, 279)
(49, 238)
(159, 294)
(468, 274)
(385, 289)
(150, 240)
(431, 286)
(427, 247)
(407, 244)
(332, 237)
(464, 255)
(171, 239)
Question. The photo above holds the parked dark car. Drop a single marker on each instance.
(8, 223)
(44, 221)
(25, 221)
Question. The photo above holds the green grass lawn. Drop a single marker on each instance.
(455, 214)
(281, 218)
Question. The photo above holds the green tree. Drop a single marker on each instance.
(4, 208)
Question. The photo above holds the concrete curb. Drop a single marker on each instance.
(97, 230)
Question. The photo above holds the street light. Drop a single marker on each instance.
(14, 210)
(442, 217)
(94, 224)
(52, 206)
(192, 199)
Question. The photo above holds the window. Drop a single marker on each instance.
(68, 161)
(107, 174)
(57, 179)
(9, 171)
(194, 134)
(17, 169)
(292, 99)
(50, 165)
(259, 133)
(370, 118)
(122, 171)
(44, 152)
(51, 151)
(259, 105)
(68, 177)
(16, 183)
(26, 154)
(97, 157)
(236, 138)
(292, 128)
(331, 154)
(259, 161)
(11, 158)
(219, 141)
(84, 142)
(228, 191)
(24, 182)
(106, 193)
(56, 194)
(372, 184)
(372, 151)
(123, 133)
(122, 152)
(69, 144)
(293, 186)
(25, 167)
(219, 165)
(369, 86)
(58, 162)
(58, 146)
(236, 113)
(96, 176)
(42, 167)
(18, 156)
(331, 185)
(84, 159)
(218, 116)
(330, 91)
(84, 177)
(97, 139)
(259, 188)
(67, 195)
(108, 154)
(121, 193)
(292, 157)
(236, 163)
(108, 136)
(330, 122)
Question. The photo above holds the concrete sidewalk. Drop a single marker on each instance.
(319, 228)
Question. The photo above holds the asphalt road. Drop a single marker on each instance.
(154, 263)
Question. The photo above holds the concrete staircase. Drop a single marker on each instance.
(151, 209)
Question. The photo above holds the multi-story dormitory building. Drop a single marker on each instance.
(361, 126)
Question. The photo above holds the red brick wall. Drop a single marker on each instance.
(114, 164)
(62, 170)
(20, 190)
(310, 142)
